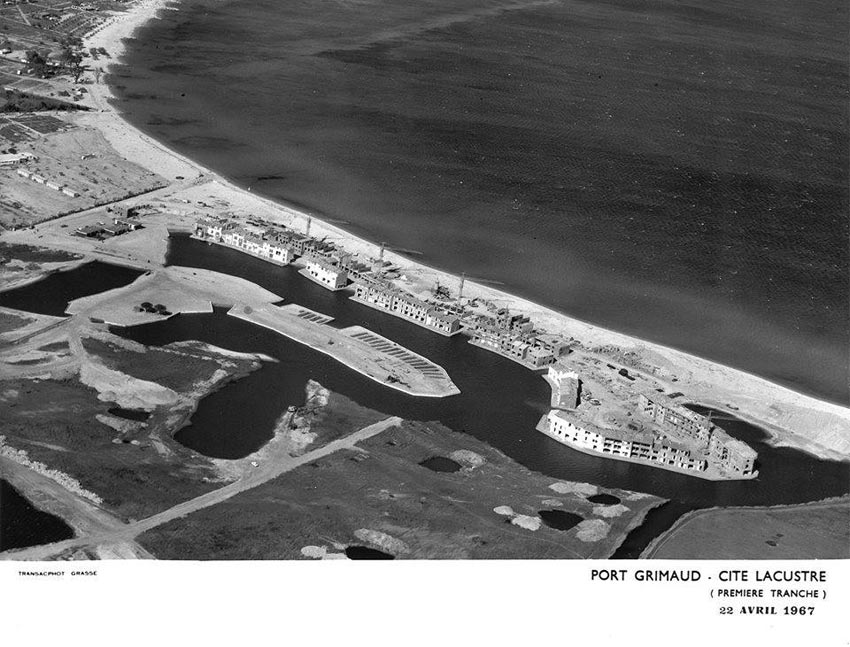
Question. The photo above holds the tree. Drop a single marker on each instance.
(36, 62)
(72, 62)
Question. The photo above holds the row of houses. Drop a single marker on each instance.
(729, 453)
(101, 230)
(512, 336)
(382, 295)
(29, 175)
(615, 444)
(325, 264)
(507, 334)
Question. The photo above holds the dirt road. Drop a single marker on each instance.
(110, 535)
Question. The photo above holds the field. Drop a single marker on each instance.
(133, 479)
(172, 368)
(380, 497)
(31, 254)
(134, 466)
(809, 531)
(75, 157)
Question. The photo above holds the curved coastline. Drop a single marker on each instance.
(803, 421)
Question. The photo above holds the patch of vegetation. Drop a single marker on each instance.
(31, 254)
(383, 489)
(337, 418)
(177, 370)
(17, 101)
(807, 531)
(54, 422)
(9, 322)
(55, 346)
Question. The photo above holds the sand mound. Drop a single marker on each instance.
(592, 530)
(527, 522)
(382, 540)
(504, 510)
(320, 552)
(468, 458)
(610, 510)
(566, 487)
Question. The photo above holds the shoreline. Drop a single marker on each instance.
(810, 423)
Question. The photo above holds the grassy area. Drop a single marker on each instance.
(55, 423)
(177, 370)
(383, 498)
(336, 419)
(9, 322)
(808, 531)
(31, 254)
(16, 101)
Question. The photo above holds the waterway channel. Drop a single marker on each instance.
(52, 294)
(500, 402)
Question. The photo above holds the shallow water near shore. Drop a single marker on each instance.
(668, 170)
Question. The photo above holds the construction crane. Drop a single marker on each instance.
(383, 248)
(328, 220)
(402, 250)
(464, 278)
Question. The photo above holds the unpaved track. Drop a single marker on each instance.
(126, 533)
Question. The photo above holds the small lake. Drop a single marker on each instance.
(560, 519)
(52, 294)
(363, 552)
(22, 524)
(441, 464)
(136, 415)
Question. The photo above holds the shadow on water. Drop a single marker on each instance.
(52, 294)
(500, 402)
(22, 524)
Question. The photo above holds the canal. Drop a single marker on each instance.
(500, 402)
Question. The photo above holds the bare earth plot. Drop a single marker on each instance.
(809, 531)
(179, 289)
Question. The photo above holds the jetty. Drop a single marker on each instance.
(360, 349)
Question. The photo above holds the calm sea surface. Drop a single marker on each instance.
(674, 170)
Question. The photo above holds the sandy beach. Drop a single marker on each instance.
(793, 419)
